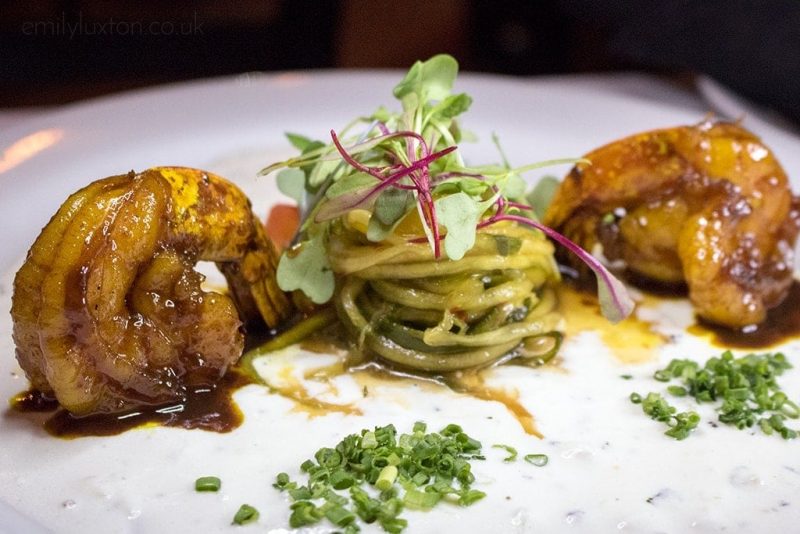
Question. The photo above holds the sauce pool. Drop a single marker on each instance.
(782, 324)
(631, 341)
(213, 408)
(33, 401)
(205, 408)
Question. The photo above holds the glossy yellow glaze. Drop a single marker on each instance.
(631, 341)
(708, 204)
(108, 310)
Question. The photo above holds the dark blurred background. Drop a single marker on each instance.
(57, 51)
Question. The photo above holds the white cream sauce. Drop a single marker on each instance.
(611, 468)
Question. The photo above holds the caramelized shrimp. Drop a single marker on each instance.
(108, 310)
(708, 205)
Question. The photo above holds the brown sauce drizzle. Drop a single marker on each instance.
(215, 410)
(474, 385)
(211, 409)
(370, 373)
(292, 389)
(782, 324)
(470, 382)
(33, 401)
(655, 288)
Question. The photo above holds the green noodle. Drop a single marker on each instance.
(431, 315)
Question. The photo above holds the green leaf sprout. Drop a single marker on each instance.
(403, 162)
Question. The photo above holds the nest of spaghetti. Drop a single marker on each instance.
(418, 312)
(432, 264)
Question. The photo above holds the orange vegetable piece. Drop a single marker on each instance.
(283, 222)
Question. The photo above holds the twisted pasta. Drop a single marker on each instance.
(442, 315)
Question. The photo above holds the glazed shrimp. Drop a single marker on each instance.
(108, 310)
(708, 205)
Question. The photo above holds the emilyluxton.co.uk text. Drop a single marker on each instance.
(77, 27)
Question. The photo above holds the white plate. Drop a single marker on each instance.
(606, 458)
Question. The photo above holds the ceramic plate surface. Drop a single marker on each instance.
(610, 467)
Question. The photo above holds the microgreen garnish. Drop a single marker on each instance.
(542, 194)
(407, 162)
(374, 475)
(745, 390)
(306, 267)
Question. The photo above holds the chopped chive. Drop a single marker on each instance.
(744, 389)
(420, 478)
(662, 375)
(451, 430)
(207, 484)
(512, 452)
(414, 470)
(341, 479)
(393, 525)
(334, 498)
(677, 391)
(304, 513)
(682, 425)
(467, 443)
(340, 516)
(539, 460)
(246, 514)
(421, 500)
(329, 458)
(368, 440)
(442, 487)
(385, 435)
(281, 481)
(766, 427)
(470, 496)
(626, 377)
(302, 493)
(790, 409)
(386, 478)
(307, 466)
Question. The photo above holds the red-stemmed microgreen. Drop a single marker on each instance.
(615, 303)
(417, 172)
(408, 161)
